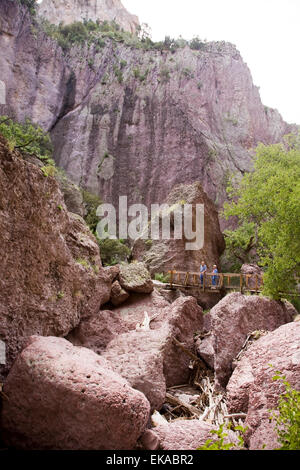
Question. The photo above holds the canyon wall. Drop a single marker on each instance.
(135, 122)
(68, 11)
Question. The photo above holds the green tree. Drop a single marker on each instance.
(266, 204)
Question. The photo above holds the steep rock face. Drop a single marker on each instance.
(63, 397)
(131, 122)
(69, 11)
(251, 388)
(45, 286)
(164, 255)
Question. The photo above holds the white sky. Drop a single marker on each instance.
(266, 32)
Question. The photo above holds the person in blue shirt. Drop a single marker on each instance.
(214, 278)
(203, 269)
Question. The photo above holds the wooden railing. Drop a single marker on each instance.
(216, 281)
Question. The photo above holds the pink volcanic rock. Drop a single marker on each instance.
(51, 273)
(164, 255)
(251, 388)
(182, 435)
(112, 272)
(64, 397)
(96, 331)
(118, 295)
(232, 319)
(135, 278)
(149, 360)
(177, 128)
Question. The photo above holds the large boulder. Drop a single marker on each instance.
(98, 330)
(164, 255)
(251, 388)
(63, 397)
(51, 273)
(150, 360)
(232, 319)
(183, 435)
(135, 278)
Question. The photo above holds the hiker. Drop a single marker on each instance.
(203, 269)
(214, 278)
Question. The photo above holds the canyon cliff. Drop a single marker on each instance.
(69, 11)
(132, 121)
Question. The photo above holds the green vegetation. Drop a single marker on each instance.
(266, 204)
(239, 244)
(113, 251)
(287, 418)
(31, 4)
(164, 74)
(91, 33)
(31, 139)
(91, 203)
(139, 75)
(219, 443)
(165, 278)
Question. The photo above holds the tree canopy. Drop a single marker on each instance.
(266, 203)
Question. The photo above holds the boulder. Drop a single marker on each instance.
(98, 330)
(112, 272)
(232, 319)
(135, 278)
(182, 435)
(164, 255)
(64, 397)
(51, 273)
(251, 388)
(118, 295)
(150, 360)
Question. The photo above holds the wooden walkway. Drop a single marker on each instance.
(223, 281)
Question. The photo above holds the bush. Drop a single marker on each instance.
(288, 418)
(91, 203)
(219, 443)
(27, 137)
(113, 251)
(165, 278)
(30, 4)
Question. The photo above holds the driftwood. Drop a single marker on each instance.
(178, 403)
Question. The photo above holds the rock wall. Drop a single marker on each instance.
(51, 273)
(70, 11)
(126, 121)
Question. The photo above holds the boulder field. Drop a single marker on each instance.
(231, 321)
(251, 388)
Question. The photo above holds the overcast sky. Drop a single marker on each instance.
(266, 32)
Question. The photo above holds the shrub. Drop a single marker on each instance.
(27, 137)
(30, 4)
(288, 417)
(219, 443)
(113, 251)
(165, 278)
(91, 203)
